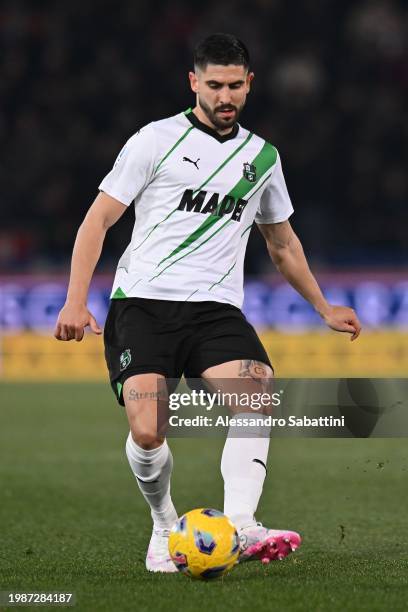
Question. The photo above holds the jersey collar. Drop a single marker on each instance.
(210, 131)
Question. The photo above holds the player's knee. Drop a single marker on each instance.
(146, 438)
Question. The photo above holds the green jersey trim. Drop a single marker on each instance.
(119, 294)
(220, 167)
(191, 294)
(192, 250)
(233, 265)
(225, 162)
(222, 277)
(263, 161)
(176, 144)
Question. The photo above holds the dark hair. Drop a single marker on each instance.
(221, 49)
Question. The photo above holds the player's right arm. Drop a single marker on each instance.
(130, 174)
(75, 316)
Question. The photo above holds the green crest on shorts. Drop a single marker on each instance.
(125, 359)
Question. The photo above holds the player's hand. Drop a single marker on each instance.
(72, 321)
(343, 319)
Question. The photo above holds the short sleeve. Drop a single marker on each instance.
(275, 205)
(133, 168)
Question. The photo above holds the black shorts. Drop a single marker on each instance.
(171, 338)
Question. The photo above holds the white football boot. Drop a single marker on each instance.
(257, 543)
(158, 556)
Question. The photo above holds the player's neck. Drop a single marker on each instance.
(201, 116)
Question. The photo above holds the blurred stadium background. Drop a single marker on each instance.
(330, 92)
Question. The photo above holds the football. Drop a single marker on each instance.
(204, 544)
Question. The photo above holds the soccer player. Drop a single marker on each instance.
(198, 181)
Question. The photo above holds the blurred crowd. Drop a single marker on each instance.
(330, 91)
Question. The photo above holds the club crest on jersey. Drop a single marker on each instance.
(125, 359)
(249, 172)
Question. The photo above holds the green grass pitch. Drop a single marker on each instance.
(72, 518)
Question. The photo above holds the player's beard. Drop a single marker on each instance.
(218, 121)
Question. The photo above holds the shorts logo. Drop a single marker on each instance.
(125, 359)
(249, 172)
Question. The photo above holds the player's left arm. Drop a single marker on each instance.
(287, 254)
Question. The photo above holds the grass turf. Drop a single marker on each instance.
(72, 518)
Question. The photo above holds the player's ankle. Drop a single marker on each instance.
(242, 521)
(164, 519)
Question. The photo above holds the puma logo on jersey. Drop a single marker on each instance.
(214, 204)
(187, 159)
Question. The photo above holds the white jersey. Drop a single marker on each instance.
(196, 196)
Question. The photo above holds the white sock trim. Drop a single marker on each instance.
(142, 453)
(261, 430)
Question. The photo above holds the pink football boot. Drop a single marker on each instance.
(259, 543)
